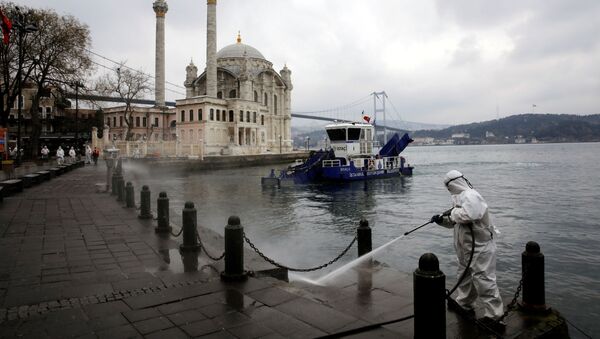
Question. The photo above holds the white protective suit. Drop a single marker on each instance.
(60, 155)
(480, 279)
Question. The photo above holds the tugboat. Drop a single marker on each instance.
(354, 155)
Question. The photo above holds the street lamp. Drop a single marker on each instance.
(22, 28)
(77, 84)
(307, 143)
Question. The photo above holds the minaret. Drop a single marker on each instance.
(211, 48)
(160, 8)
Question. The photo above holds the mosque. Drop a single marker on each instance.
(239, 105)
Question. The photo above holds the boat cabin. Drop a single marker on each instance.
(352, 139)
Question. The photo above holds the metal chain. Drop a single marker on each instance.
(206, 252)
(513, 302)
(176, 235)
(274, 263)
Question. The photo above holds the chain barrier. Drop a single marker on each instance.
(274, 263)
(178, 234)
(206, 252)
(513, 302)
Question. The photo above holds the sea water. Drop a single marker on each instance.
(548, 193)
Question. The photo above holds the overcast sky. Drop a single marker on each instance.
(439, 61)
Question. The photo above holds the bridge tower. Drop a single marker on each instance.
(380, 95)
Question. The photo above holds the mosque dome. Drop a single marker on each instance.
(238, 49)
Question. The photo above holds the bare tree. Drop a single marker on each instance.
(128, 85)
(55, 53)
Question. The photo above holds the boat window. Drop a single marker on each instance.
(338, 134)
(362, 134)
(353, 133)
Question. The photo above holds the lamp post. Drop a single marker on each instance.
(22, 28)
(280, 144)
(77, 84)
(307, 143)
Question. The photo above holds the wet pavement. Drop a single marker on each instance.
(76, 263)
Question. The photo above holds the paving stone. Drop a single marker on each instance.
(138, 315)
(318, 315)
(272, 296)
(101, 310)
(171, 333)
(124, 331)
(186, 317)
(153, 325)
(201, 327)
(104, 322)
(223, 334)
(250, 331)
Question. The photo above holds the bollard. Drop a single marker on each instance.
(120, 188)
(145, 212)
(363, 237)
(162, 207)
(532, 262)
(429, 289)
(129, 195)
(115, 177)
(190, 242)
(234, 251)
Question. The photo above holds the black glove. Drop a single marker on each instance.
(438, 219)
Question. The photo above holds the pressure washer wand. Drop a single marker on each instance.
(446, 213)
(414, 229)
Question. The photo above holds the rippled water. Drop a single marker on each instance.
(549, 193)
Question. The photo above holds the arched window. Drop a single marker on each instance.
(212, 114)
(232, 93)
(266, 102)
(275, 104)
(218, 115)
(220, 95)
(182, 116)
(231, 116)
(241, 116)
(255, 96)
(191, 115)
(247, 116)
(173, 124)
(199, 114)
(254, 117)
(262, 120)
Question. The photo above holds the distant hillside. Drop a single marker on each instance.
(543, 127)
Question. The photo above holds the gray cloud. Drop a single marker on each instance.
(439, 61)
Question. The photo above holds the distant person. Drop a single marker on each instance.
(95, 155)
(88, 154)
(45, 151)
(72, 154)
(60, 156)
(469, 208)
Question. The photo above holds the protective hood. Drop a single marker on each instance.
(456, 182)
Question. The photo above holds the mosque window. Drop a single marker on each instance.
(255, 96)
(232, 93)
(247, 116)
(224, 117)
(121, 121)
(191, 115)
(199, 114)
(275, 104)
(155, 122)
(262, 120)
(173, 124)
(212, 114)
(254, 117)
(220, 95)
(241, 116)
(182, 116)
(137, 121)
(144, 122)
(218, 115)
(231, 116)
(114, 121)
(266, 102)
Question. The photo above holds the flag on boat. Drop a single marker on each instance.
(6, 27)
(366, 117)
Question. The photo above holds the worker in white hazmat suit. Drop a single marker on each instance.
(469, 208)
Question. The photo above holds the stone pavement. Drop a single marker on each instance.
(77, 263)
